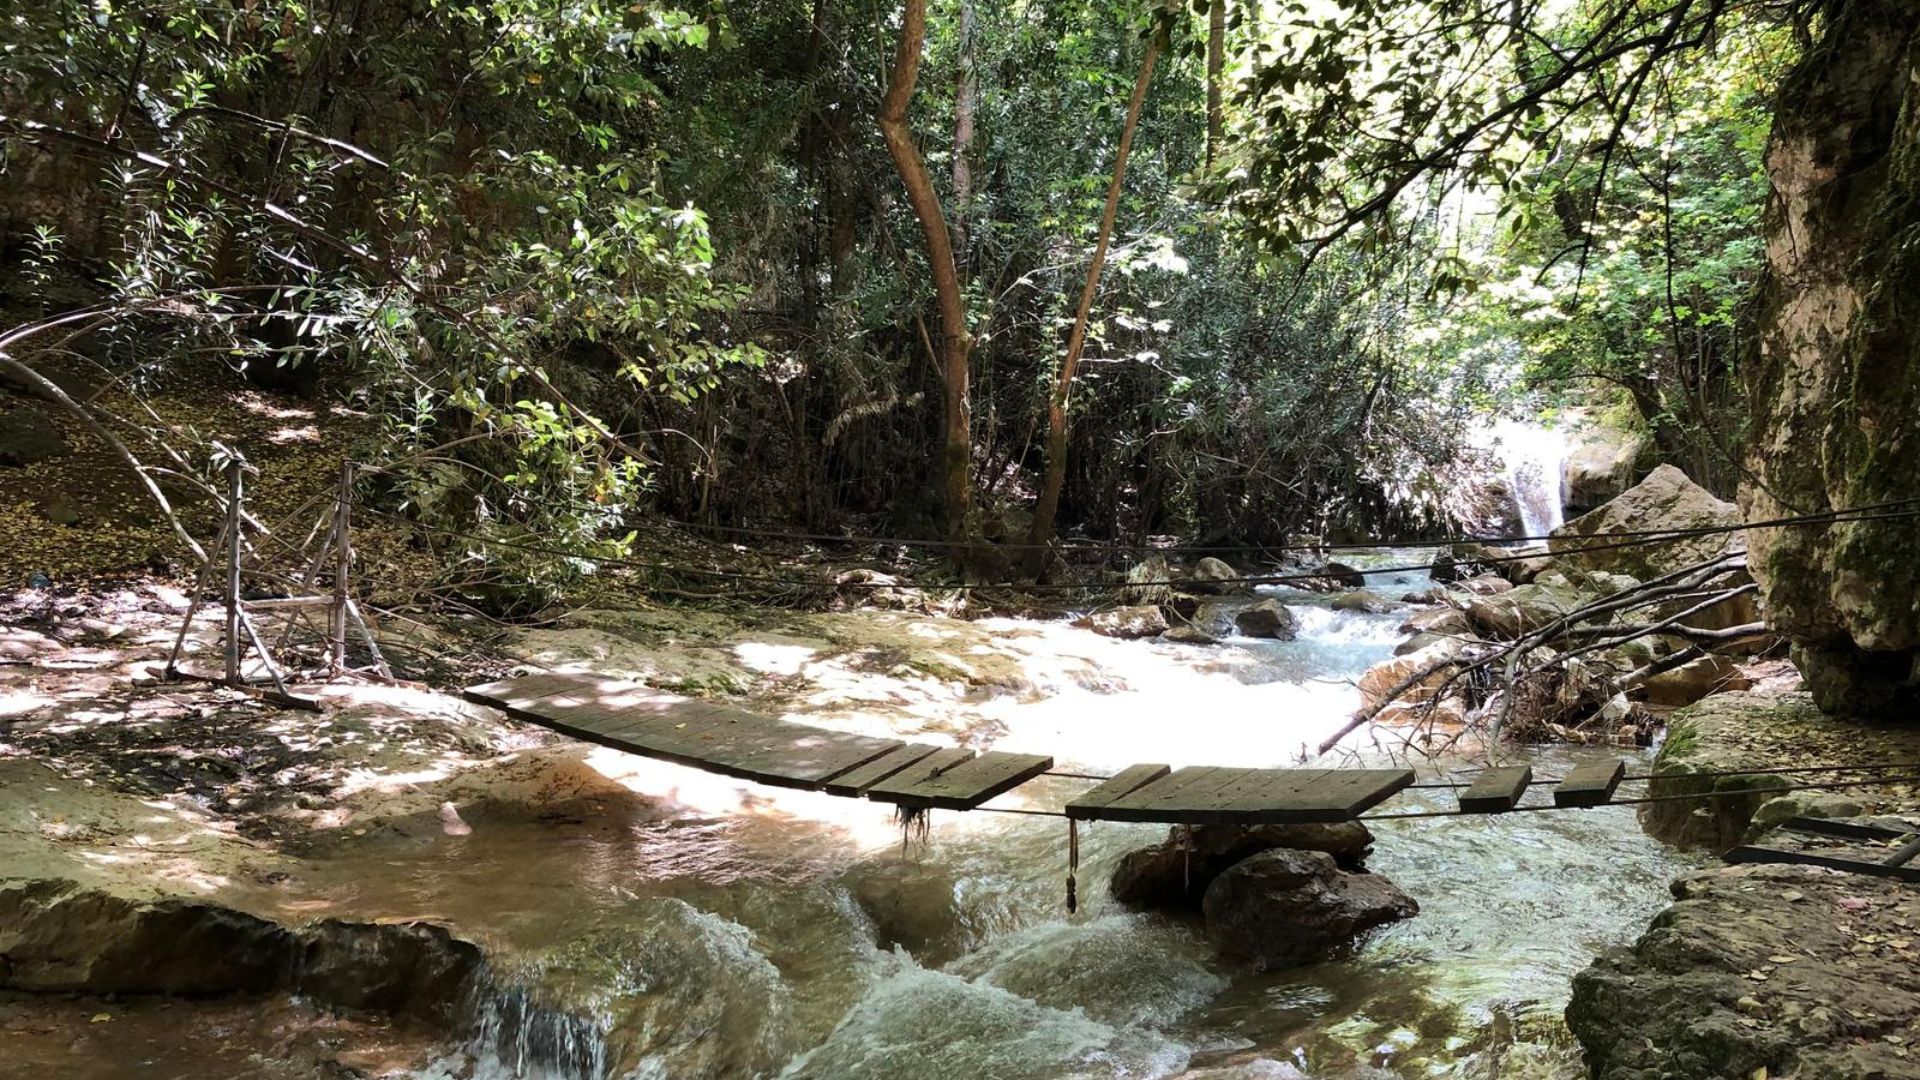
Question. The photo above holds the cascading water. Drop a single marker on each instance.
(1533, 463)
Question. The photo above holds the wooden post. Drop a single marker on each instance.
(342, 564)
(236, 543)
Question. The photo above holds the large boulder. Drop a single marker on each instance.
(1666, 499)
(1176, 872)
(1282, 908)
(1506, 616)
(1215, 576)
(1603, 462)
(1759, 971)
(1693, 680)
(1267, 619)
(1136, 621)
(27, 436)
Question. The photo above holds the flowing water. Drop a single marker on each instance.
(745, 931)
(1533, 461)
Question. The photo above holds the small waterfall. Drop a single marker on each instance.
(1533, 458)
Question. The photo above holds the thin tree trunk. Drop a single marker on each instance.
(1216, 64)
(955, 342)
(1048, 504)
(965, 99)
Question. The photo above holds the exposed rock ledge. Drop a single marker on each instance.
(1761, 971)
(1765, 729)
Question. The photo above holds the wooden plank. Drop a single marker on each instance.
(1590, 785)
(1301, 796)
(1120, 784)
(818, 754)
(970, 783)
(1495, 791)
(920, 772)
(520, 692)
(1167, 796)
(865, 776)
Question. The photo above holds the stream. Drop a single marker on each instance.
(753, 931)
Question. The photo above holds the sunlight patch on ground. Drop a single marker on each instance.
(771, 659)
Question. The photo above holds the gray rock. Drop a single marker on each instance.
(1138, 621)
(1211, 575)
(1176, 872)
(28, 436)
(1505, 616)
(1330, 577)
(1363, 600)
(1282, 908)
(1267, 619)
(1189, 634)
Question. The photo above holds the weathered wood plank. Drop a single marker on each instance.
(1120, 784)
(970, 783)
(1168, 795)
(920, 772)
(809, 756)
(1495, 791)
(859, 779)
(520, 692)
(1199, 796)
(1590, 785)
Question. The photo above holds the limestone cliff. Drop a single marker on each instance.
(1836, 385)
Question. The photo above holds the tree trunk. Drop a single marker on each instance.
(966, 94)
(1048, 504)
(1836, 385)
(955, 342)
(1216, 64)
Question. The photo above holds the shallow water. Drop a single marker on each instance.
(753, 931)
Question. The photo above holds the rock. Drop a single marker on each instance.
(1379, 680)
(1330, 577)
(1693, 680)
(1808, 804)
(61, 938)
(1603, 462)
(1146, 582)
(1214, 576)
(1758, 971)
(1444, 620)
(1362, 600)
(1267, 619)
(1282, 908)
(1666, 499)
(871, 588)
(28, 436)
(1486, 585)
(1176, 872)
(1507, 615)
(1707, 744)
(1189, 634)
(1138, 621)
(1444, 568)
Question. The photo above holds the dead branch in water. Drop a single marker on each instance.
(1587, 630)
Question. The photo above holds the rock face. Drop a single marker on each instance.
(27, 436)
(1138, 621)
(1175, 873)
(1267, 619)
(1282, 908)
(1380, 679)
(1759, 971)
(1666, 499)
(1331, 577)
(1694, 680)
(1837, 382)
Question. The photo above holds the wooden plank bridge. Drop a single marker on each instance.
(750, 746)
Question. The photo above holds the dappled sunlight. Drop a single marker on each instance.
(773, 659)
